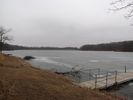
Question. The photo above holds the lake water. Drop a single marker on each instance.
(62, 60)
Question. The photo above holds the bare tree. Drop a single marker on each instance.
(123, 6)
(4, 37)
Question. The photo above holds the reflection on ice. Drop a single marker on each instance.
(93, 60)
(103, 75)
(131, 84)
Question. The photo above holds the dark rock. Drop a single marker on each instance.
(28, 57)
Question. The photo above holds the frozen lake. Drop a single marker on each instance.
(63, 60)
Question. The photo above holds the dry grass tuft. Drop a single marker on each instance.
(21, 81)
(6, 93)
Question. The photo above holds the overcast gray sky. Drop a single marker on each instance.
(63, 23)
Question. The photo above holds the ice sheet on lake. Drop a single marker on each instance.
(47, 60)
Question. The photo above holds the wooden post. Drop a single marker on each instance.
(95, 81)
(115, 76)
(106, 79)
(79, 79)
(90, 74)
(99, 72)
(125, 69)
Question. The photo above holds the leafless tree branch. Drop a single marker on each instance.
(4, 31)
(129, 5)
(114, 2)
(4, 37)
(7, 38)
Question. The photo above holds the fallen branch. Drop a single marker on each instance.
(73, 72)
(63, 73)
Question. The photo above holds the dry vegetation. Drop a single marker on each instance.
(21, 81)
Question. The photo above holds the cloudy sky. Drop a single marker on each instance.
(63, 23)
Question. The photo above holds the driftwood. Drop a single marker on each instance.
(73, 72)
(63, 73)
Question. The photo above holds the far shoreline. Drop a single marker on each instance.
(70, 50)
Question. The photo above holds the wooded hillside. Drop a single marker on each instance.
(126, 46)
(17, 47)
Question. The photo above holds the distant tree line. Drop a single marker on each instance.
(17, 47)
(126, 46)
(5, 46)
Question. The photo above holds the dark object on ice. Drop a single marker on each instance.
(28, 57)
(9, 54)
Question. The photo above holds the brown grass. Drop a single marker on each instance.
(21, 81)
